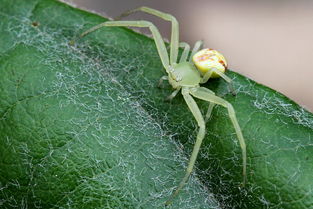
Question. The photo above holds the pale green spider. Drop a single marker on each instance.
(186, 76)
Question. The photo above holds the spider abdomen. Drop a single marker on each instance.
(206, 59)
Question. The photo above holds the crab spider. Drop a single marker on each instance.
(186, 76)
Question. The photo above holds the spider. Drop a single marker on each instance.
(186, 75)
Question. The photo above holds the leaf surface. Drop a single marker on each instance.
(85, 126)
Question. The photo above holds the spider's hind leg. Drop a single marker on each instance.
(227, 79)
(197, 47)
(185, 53)
(208, 75)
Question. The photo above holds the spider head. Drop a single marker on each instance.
(206, 59)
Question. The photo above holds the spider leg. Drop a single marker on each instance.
(199, 118)
(211, 106)
(197, 47)
(172, 95)
(167, 17)
(185, 54)
(203, 94)
(163, 78)
(155, 32)
(208, 75)
(209, 112)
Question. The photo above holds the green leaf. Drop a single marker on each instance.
(84, 126)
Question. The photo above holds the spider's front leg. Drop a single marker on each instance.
(201, 133)
(168, 17)
(203, 94)
(211, 106)
(143, 24)
(207, 95)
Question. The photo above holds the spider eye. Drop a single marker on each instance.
(207, 59)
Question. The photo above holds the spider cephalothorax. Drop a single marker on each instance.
(186, 75)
